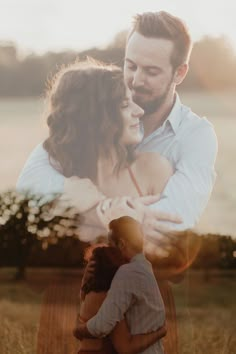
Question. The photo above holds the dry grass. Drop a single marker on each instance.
(205, 311)
(19, 313)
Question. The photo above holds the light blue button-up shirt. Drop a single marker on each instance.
(190, 144)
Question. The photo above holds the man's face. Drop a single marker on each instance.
(148, 71)
(112, 241)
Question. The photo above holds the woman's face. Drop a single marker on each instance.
(131, 114)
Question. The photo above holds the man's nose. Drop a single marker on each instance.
(138, 79)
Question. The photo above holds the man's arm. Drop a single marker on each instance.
(38, 176)
(117, 302)
(188, 190)
(134, 343)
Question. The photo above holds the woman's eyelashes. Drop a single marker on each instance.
(125, 103)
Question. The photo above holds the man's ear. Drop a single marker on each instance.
(180, 73)
(121, 244)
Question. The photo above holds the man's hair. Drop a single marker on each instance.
(163, 25)
(127, 229)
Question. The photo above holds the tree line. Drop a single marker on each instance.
(32, 234)
(212, 66)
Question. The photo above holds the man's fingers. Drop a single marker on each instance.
(149, 199)
(157, 227)
(164, 241)
(163, 216)
(76, 333)
(105, 204)
(162, 331)
(159, 248)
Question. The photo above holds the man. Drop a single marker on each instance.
(156, 61)
(134, 291)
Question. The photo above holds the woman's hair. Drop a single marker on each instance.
(85, 118)
(107, 261)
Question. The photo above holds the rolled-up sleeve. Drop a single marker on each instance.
(188, 190)
(39, 177)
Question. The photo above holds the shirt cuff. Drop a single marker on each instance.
(91, 328)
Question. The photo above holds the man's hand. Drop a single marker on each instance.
(113, 208)
(158, 235)
(162, 331)
(81, 331)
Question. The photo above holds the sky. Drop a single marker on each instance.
(43, 25)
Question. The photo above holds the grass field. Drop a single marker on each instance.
(23, 127)
(205, 312)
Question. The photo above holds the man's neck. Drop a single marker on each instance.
(134, 254)
(153, 121)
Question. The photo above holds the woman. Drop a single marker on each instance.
(106, 261)
(94, 127)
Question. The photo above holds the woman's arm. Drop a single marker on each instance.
(124, 342)
(153, 171)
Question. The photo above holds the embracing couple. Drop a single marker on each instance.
(125, 145)
(120, 296)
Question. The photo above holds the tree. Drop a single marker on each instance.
(26, 220)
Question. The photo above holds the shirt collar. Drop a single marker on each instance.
(138, 257)
(174, 117)
(173, 120)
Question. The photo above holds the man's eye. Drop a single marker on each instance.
(132, 67)
(125, 104)
(153, 73)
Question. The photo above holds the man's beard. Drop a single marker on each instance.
(154, 105)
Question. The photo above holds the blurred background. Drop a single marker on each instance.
(36, 37)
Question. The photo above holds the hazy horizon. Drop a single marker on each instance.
(42, 26)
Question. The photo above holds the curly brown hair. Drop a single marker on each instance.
(84, 118)
(107, 262)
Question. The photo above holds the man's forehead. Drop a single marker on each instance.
(148, 51)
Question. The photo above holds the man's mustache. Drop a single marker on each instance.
(141, 90)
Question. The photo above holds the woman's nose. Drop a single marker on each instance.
(138, 112)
